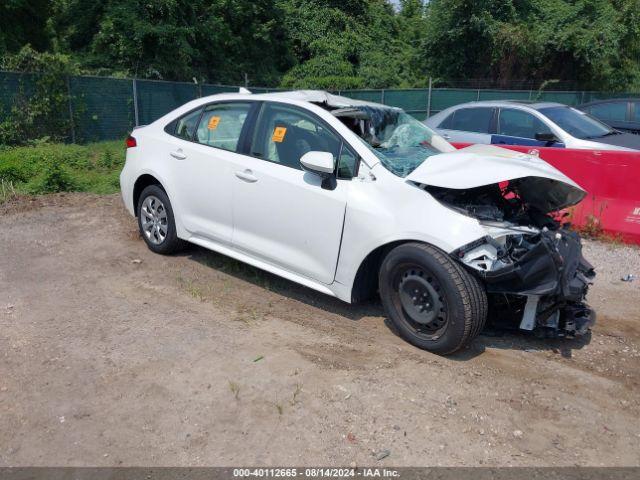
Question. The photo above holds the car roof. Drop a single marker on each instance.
(312, 96)
(510, 103)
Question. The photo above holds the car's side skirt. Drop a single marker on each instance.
(261, 264)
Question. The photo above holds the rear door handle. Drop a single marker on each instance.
(446, 136)
(247, 176)
(178, 154)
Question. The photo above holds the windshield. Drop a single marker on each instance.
(400, 141)
(577, 123)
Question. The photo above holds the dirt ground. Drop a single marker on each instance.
(111, 355)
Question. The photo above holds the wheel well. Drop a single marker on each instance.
(143, 182)
(365, 284)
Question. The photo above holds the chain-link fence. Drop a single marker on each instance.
(102, 108)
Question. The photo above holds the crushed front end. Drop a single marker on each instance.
(537, 280)
(531, 265)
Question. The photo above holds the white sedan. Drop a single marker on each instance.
(352, 198)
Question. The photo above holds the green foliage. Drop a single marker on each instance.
(42, 100)
(297, 43)
(330, 44)
(55, 178)
(212, 40)
(593, 43)
(22, 22)
(364, 44)
(47, 168)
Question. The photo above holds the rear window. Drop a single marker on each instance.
(476, 120)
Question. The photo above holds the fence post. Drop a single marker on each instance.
(478, 96)
(429, 98)
(382, 96)
(135, 102)
(72, 123)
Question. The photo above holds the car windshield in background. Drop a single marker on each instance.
(577, 123)
(400, 141)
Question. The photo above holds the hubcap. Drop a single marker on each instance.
(153, 218)
(422, 302)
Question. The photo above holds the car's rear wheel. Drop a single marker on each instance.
(433, 302)
(156, 221)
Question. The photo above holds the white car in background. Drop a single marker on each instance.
(351, 198)
(542, 124)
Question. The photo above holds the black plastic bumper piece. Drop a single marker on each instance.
(577, 319)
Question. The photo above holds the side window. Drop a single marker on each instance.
(517, 123)
(347, 163)
(221, 125)
(186, 125)
(472, 120)
(285, 133)
(613, 111)
(447, 122)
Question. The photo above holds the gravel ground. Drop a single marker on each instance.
(111, 355)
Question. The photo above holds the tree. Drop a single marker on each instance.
(591, 43)
(353, 44)
(217, 41)
(22, 22)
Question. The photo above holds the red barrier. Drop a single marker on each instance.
(611, 179)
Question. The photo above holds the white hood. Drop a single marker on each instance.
(539, 185)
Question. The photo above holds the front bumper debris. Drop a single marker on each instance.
(545, 289)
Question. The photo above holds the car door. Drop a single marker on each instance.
(468, 125)
(519, 127)
(204, 158)
(282, 214)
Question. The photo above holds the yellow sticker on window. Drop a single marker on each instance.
(213, 123)
(278, 134)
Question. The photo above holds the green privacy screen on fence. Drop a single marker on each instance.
(108, 108)
(103, 108)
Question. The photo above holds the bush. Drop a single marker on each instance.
(49, 167)
(55, 179)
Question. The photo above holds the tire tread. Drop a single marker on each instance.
(469, 289)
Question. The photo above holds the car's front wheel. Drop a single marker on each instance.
(156, 221)
(433, 302)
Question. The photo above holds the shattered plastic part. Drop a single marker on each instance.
(548, 270)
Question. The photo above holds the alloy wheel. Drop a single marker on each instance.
(153, 219)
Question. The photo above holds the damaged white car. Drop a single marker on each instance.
(351, 198)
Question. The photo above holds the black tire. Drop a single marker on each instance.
(432, 301)
(170, 243)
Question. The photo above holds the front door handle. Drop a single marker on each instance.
(446, 136)
(247, 176)
(178, 154)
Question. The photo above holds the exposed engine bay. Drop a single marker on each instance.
(532, 267)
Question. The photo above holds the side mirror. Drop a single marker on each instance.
(547, 137)
(321, 164)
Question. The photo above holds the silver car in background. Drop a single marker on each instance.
(543, 124)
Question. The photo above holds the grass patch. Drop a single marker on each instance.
(54, 167)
